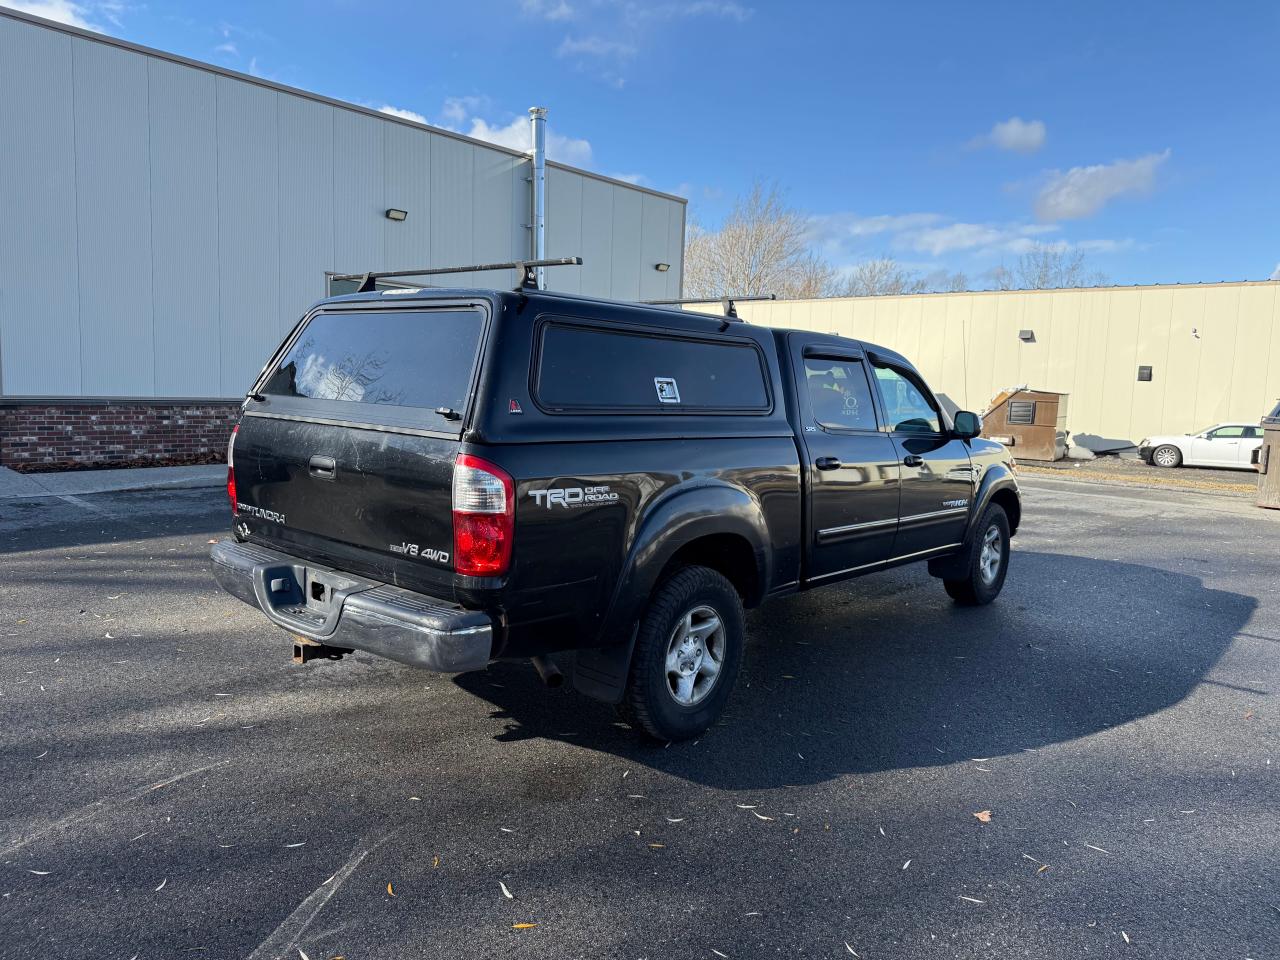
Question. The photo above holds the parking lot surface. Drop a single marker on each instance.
(175, 787)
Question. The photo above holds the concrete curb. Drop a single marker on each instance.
(24, 486)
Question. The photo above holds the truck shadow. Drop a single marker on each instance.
(886, 673)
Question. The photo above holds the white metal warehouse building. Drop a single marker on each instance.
(164, 222)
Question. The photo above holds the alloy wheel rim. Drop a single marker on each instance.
(1165, 458)
(992, 554)
(695, 655)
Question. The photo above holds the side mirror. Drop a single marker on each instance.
(967, 425)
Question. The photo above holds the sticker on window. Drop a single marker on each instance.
(668, 392)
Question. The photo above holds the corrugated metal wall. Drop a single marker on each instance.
(1214, 349)
(162, 225)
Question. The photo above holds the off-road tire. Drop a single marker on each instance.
(975, 589)
(648, 703)
(1172, 455)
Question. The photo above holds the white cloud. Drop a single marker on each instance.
(63, 11)
(402, 113)
(516, 136)
(725, 9)
(457, 109)
(227, 48)
(547, 9)
(1083, 191)
(595, 47)
(848, 238)
(1016, 134)
(636, 179)
(1275, 274)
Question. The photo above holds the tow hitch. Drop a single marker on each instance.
(305, 650)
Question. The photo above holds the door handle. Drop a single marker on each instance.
(827, 463)
(913, 460)
(322, 468)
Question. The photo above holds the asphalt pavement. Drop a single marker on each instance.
(173, 786)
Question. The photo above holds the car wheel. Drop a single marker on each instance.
(1167, 456)
(687, 654)
(987, 562)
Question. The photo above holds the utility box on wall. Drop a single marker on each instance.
(1032, 423)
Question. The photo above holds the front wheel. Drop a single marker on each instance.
(987, 561)
(688, 651)
(1167, 456)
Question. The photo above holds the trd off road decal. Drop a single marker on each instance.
(572, 496)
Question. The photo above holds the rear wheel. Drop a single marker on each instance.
(987, 562)
(688, 651)
(1167, 456)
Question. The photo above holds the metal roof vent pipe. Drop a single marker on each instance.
(538, 121)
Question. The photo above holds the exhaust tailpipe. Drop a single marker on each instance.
(548, 672)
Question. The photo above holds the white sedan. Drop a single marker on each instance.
(1223, 445)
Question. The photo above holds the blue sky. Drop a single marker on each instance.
(946, 135)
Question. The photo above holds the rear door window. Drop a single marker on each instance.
(584, 368)
(838, 394)
(399, 358)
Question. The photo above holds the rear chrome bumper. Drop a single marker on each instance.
(353, 612)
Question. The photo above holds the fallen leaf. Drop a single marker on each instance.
(39, 873)
(746, 806)
(523, 926)
(300, 953)
(505, 892)
(1031, 858)
(675, 819)
(415, 798)
(657, 846)
(1099, 849)
(215, 541)
(1043, 868)
(972, 899)
(435, 861)
(390, 891)
(162, 883)
(907, 864)
(719, 954)
(506, 830)
(984, 816)
(1125, 935)
(760, 816)
(302, 843)
(849, 948)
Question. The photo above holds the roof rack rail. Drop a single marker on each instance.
(728, 303)
(529, 268)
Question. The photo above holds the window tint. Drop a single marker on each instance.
(584, 367)
(839, 394)
(1252, 433)
(1227, 433)
(402, 358)
(905, 406)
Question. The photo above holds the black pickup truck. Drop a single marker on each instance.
(446, 477)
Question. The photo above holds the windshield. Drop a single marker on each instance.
(395, 357)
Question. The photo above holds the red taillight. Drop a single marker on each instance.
(231, 470)
(484, 510)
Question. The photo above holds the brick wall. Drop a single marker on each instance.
(38, 436)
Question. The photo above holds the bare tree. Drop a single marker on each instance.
(881, 277)
(762, 247)
(1051, 266)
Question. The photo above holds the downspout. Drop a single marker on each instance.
(538, 121)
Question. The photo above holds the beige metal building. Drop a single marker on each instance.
(1213, 349)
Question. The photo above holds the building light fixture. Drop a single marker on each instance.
(394, 214)
(1027, 336)
(662, 267)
